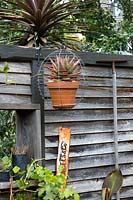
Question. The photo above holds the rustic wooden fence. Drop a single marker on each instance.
(92, 154)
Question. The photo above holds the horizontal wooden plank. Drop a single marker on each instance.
(97, 172)
(15, 89)
(101, 71)
(94, 103)
(100, 75)
(23, 53)
(22, 79)
(77, 128)
(89, 91)
(90, 138)
(126, 193)
(11, 106)
(105, 82)
(103, 92)
(91, 149)
(5, 98)
(26, 53)
(92, 57)
(96, 185)
(94, 161)
(17, 67)
(86, 115)
(6, 185)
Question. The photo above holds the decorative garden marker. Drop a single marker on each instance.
(63, 151)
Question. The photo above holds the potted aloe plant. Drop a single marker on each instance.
(63, 80)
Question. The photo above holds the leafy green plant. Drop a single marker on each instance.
(5, 70)
(49, 186)
(38, 20)
(64, 68)
(7, 132)
(5, 163)
(112, 184)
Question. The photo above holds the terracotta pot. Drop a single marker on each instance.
(63, 93)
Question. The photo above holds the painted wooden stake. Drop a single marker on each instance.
(63, 151)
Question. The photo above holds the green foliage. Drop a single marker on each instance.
(127, 7)
(39, 17)
(7, 132)
(112, 184)
(49, 186)
(115, 43)
(5, 163)
(5, 70)
(98, 26)
(103, 33)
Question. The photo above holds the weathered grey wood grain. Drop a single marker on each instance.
(126, 194)
(94, 103)
(51, 129)
(95, 185)
(91, 120)
(105, 82)
(97, 172)
(17, 67)
(98, 71)
(17, 52)
(94, 161)
(28, 137)
(24, 79)
(15, 89)
(91, 138)
(6, 98)
(93, 57)
(19, 106)
(86, 115)
(91, 149)
(102, 92)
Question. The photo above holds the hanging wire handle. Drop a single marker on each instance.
(115, 120)
(115, 114)
(112, 62)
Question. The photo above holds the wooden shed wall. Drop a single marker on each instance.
(91, 120)
(92, 134)
(17, 87)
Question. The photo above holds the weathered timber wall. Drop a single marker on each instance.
(91, 120)
(92, 134)
(18, 92)
(17, 87)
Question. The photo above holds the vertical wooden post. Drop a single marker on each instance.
(28, 132)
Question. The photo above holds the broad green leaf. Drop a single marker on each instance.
(76, 196)
(113, 182)
(16, 169)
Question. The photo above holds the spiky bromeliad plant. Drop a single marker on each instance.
(64, 68)
(40, 17)
(63, 81)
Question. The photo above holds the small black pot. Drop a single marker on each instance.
(19, 160)
(4, 175)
